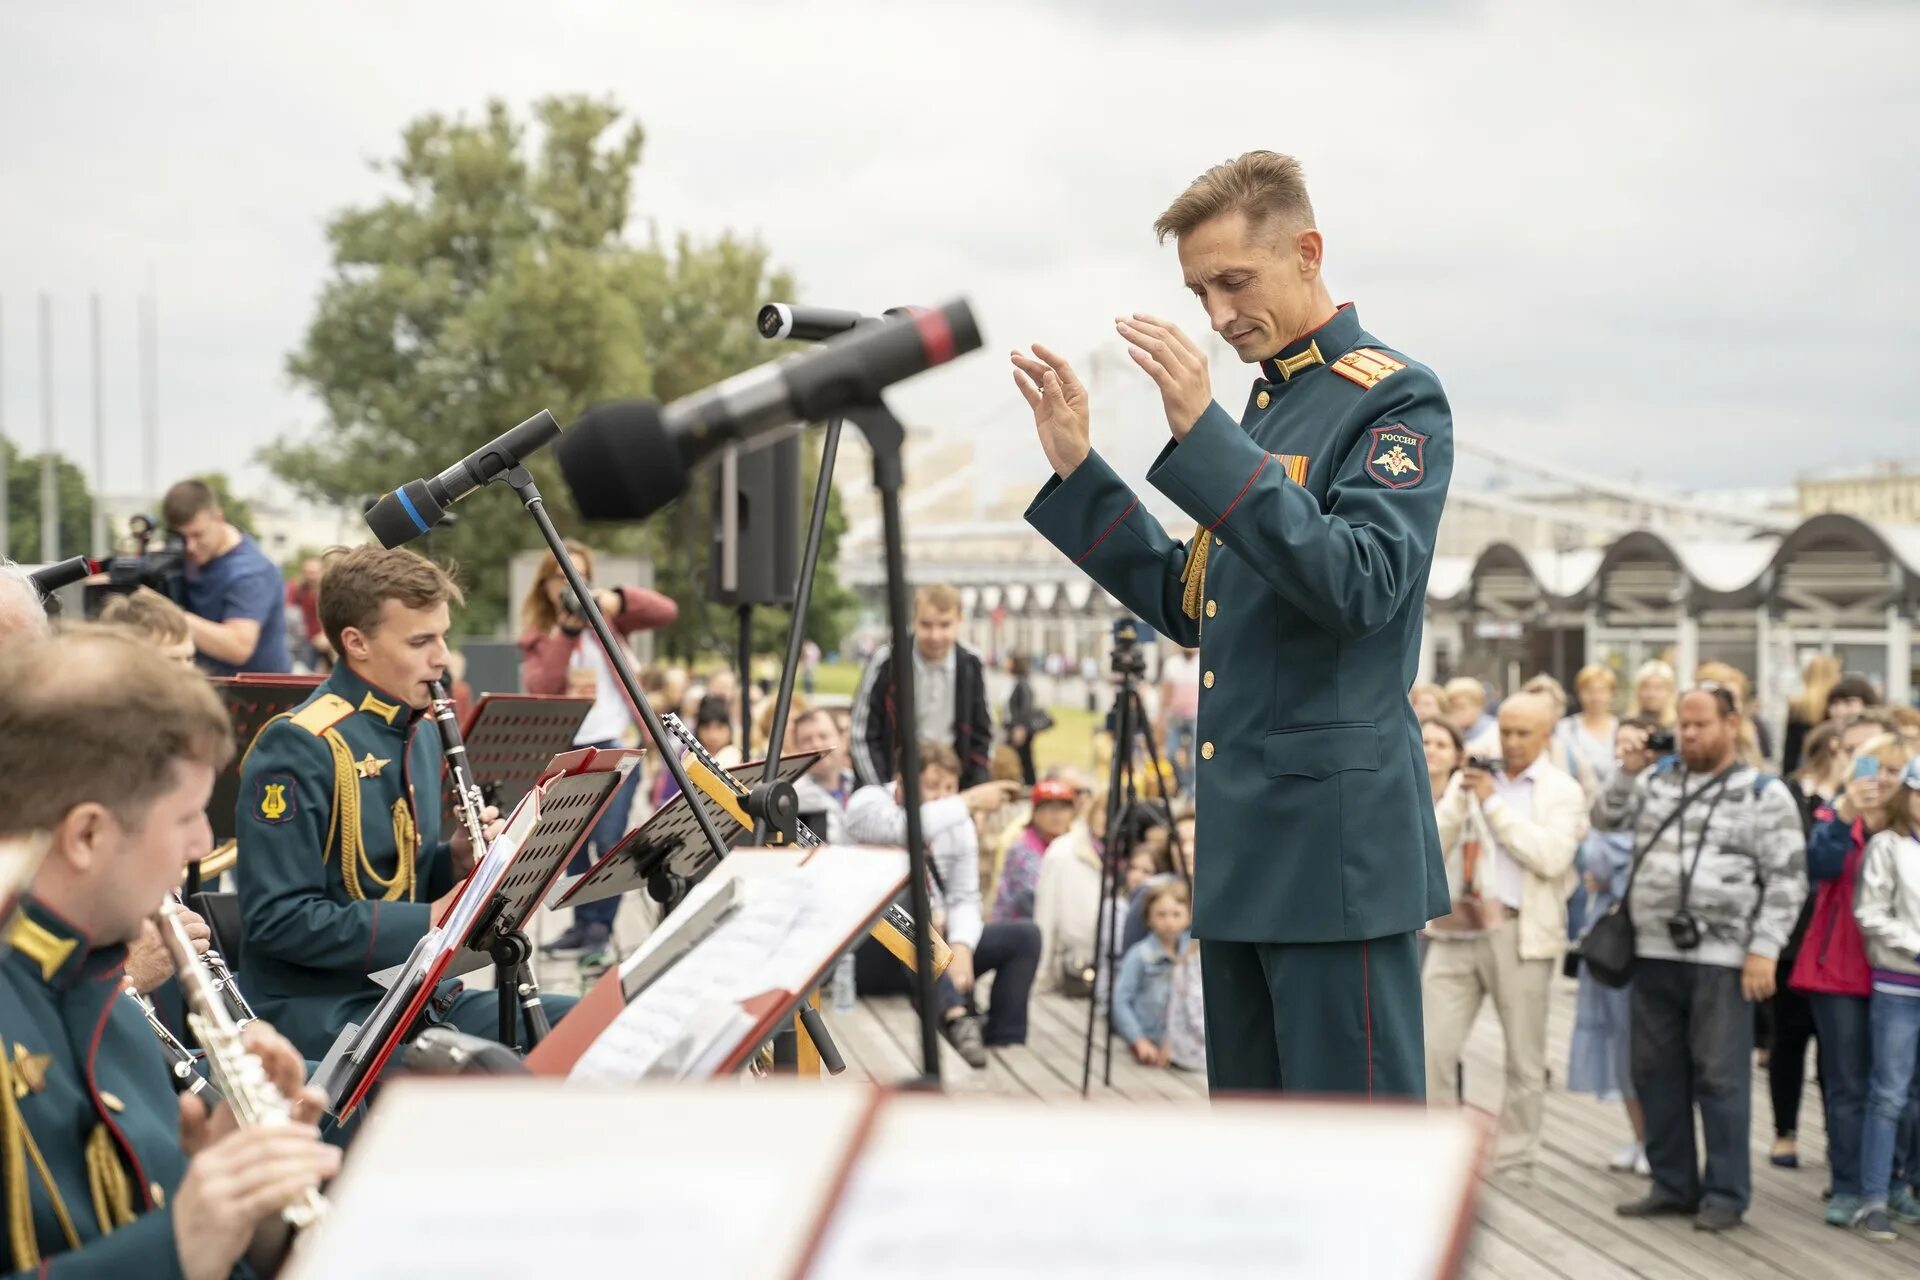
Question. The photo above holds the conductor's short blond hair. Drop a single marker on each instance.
(1266, 186)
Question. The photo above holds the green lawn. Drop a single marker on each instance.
(1070, 741)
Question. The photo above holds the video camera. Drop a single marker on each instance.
(138, 562)
(1127, 659)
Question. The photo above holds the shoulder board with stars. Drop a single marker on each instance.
(1367, 368)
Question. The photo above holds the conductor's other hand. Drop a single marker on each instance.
(1060, 412)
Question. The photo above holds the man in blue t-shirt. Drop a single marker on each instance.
(236, 598)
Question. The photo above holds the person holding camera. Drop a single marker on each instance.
(1717, 883)
(235, 599)
(558, 656)
(1522, 819)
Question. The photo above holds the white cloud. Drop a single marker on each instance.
(1609, 229)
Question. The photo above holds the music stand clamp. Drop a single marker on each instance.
(513, 976)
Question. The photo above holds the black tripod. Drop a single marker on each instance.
(1129, 720)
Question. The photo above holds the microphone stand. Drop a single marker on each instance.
(802, 599)
(521, 481)
(886, 437)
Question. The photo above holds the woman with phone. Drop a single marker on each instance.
(1832, 966)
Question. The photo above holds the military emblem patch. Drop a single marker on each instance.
(370, 767)
(1396, 457)
(273, 798)
(29, 1071)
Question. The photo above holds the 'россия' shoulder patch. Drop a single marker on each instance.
(1396, 456)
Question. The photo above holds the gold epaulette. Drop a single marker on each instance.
(1195, 574)
(320, 715)
(1367, 368)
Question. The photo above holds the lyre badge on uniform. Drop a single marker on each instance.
(274, 803)
(1396, 457)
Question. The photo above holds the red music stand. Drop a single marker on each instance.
(504, 889)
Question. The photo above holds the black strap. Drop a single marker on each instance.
(1626, 898)
(1700, 844)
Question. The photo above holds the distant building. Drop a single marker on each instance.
(1888, 494)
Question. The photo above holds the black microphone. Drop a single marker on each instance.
(805, 324)
(64, 574)
(626, 459)
(419, 505)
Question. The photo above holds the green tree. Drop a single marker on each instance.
(23, 507)
(498, 282)
(238, 510)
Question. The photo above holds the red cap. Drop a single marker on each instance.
(1054, 790)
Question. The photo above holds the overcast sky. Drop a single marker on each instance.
(1664, 240)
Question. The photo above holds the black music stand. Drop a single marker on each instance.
(251, 702)
(511, 738)
(670, 843)
(568, 799)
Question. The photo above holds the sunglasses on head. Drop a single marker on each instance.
(1728, 700)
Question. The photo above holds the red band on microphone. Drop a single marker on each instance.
(936, 336)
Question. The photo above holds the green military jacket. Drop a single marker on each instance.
(1304, 588)
(340, 855)
(89, 1125)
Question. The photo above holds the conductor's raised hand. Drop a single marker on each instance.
(1061, 416)
(1176, 365)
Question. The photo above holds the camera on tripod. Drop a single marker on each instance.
(147, 557)
(1127, 659)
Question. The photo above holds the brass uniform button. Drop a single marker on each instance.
(1212, 608)
(112, 1102)
(159, 1194)
(1262, 400)
(1207, 680)
(1206, 751)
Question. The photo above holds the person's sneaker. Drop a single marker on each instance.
(569, 940)
(963, 1033)
(1842, 1210)
(1640, 1165)
(1904, 1205)
(595, 940)
(1716, 1217)
(1875, 1223)
(1653, 1206)
(1628, 1158)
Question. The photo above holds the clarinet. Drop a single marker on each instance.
(180, 1059)
(237, 1074)
(467, 800)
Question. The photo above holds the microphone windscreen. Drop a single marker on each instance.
(404, 514)
(621, 462)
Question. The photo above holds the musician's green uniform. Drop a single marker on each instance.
(340, 859)
(89, 1125)
(1304, 590)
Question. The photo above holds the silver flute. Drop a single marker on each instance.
(180, 1059)
(223, 984)
(239, 1076)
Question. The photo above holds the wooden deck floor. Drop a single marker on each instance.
(1559, 1224)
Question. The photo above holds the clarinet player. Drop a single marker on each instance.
(109, 752)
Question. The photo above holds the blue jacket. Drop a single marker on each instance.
(1304, 590)
(1146, 984)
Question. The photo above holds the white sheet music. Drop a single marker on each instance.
(1247, 1189)
(525, 1178)
(792, 921)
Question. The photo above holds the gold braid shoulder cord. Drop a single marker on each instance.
(344, 822)
(19, 1147)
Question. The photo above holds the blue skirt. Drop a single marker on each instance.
(1598, 1060)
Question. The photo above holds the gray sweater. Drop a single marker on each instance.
(1751, 875)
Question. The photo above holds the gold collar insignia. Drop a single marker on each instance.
(29, 1071)
(385, 710)
(34, 941)
(1295, 364)
(370, 767)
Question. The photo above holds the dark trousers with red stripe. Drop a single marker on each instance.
(1315, 1017)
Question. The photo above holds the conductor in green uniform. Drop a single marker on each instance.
(1303, 586)
(341, 866)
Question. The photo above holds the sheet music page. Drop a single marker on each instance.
(529, 1178)
(792, 920)
(1240, 1189)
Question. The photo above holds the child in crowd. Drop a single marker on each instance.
(1155, 1008)
(1887, 908)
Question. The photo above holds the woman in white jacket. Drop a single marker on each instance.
(1066, 901)
(1887, 905)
